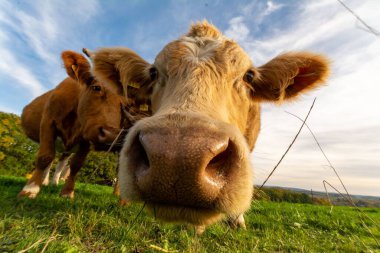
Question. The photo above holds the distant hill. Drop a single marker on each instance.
(319, 193)
(337, 199)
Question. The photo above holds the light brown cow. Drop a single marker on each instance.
(79, 112)
(189, 162)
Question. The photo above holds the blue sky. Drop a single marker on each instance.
(346, 118)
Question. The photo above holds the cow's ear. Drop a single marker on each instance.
(121, 67)
(77, 67)
(289, 75)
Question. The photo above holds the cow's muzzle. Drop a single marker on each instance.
(187, 166)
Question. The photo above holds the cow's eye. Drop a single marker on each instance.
(249, 77)
(96, 88)
(153, 74)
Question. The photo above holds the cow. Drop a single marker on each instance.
(78, 114)
(189, 162)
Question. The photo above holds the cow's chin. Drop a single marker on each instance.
(180, 214)
(106, 146)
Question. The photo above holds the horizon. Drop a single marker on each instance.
(345, 118)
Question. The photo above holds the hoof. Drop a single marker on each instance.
(123, 202)
(54, 182)
(200, 229)
(30, 190)
(241, 222)
(68, 195)
(237, 222)
(27, 194)
(116, 193)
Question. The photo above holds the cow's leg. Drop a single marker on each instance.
(66, 171)
(116, 191)
(45, 157)
(116, 188)
(61, 166)
(237, 222)
(45, 176)
(76, 163)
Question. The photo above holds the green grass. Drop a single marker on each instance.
(93, 222)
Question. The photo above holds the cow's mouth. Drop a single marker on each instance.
(114, 142)
(113, 147)
(182, 214)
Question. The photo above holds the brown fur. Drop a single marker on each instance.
(80, 111)
(189, 161)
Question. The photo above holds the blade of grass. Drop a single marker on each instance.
(291, 144)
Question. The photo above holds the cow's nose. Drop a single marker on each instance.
(104, 135)
(181, 169)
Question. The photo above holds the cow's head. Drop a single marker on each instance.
(102, 109)
(189, 162)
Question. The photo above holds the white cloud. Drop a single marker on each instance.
(46, 22)
(36, 34)
(37, 30)
(10, 66)
(17, 71)
(258, 10)
(272, 7)
(237, 30)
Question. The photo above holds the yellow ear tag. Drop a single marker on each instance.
(134, 85)
(144, 107)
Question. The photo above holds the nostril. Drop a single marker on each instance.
(217, 168)
(102, 133)
(140, 155)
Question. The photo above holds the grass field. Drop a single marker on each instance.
(93, 222)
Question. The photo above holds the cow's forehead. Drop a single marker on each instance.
(220, 53)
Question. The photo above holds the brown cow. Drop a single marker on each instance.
(79, 112)
(189, 162)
